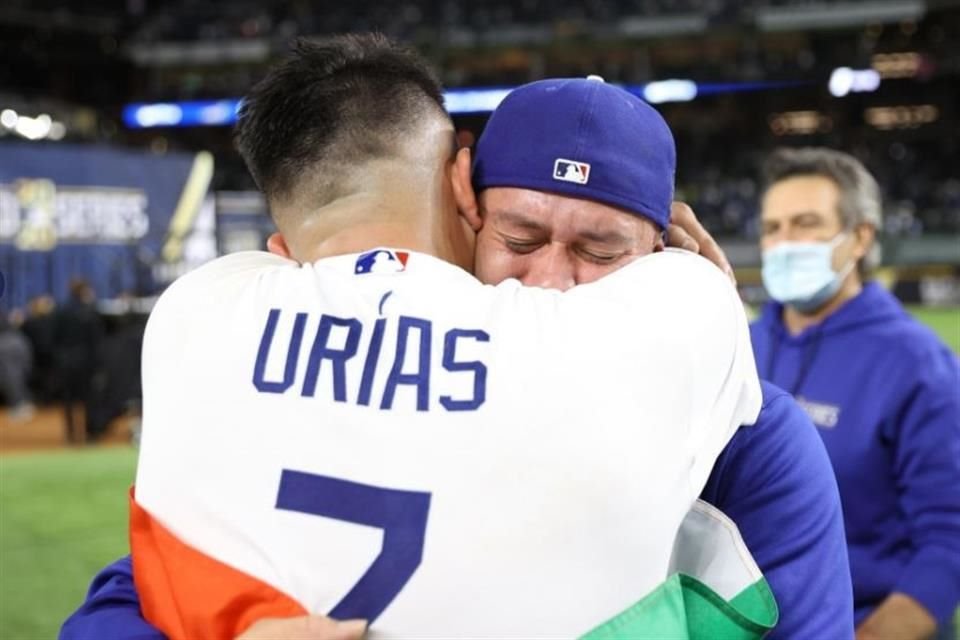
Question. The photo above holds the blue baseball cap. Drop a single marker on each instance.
(582, 138)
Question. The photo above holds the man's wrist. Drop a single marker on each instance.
(899, 617)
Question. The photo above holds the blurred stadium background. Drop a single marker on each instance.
(116, 167)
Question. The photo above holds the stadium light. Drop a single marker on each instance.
(57, 131)
(670, 91)
(799, 123)
(158, 115)
(8, 118)
(181, 114)
(901, 117)
(845, 80)
(39, 128)
(33, 128)
(458, 101)
(218, 113)
(897, 65)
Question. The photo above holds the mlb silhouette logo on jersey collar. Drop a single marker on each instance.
(381, 261)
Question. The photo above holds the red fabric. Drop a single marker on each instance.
(189, 595)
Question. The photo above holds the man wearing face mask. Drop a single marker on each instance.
(883, 390)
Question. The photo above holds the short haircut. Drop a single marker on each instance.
(859, 202)
(330, 107)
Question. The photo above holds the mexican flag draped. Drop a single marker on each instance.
(715, 589)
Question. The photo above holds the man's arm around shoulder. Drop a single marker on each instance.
(776, 483)
(111, 610)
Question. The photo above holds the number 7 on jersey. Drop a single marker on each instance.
(401, 514)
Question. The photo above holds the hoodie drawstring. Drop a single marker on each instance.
(809, 355)
(772, 355)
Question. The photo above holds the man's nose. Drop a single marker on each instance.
(551, 268)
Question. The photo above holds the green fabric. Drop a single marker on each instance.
(684, 608)
(757, 603)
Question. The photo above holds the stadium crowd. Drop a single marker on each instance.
(75, 354)
(921, 192)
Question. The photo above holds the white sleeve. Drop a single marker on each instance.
(208, 291)
(690, 326)
(182, 321)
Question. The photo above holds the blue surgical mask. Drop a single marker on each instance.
(801, 275)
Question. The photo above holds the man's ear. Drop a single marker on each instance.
(865, 235)
(277, 245)
(463, 192)
(660, 241)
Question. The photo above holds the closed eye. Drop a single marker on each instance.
(522, 246)
(599, 257)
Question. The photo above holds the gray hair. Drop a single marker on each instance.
(860, 201)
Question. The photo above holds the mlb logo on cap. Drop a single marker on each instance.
(571, 171)
(381, 261)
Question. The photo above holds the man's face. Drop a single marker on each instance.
(800, 209)
(553, 241)
(806, 209)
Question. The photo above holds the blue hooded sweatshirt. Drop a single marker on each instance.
(884, 392)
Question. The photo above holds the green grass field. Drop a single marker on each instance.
(945, 321)
(63, 516)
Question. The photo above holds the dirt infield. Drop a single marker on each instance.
(46, 431)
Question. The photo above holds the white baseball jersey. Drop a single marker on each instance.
(381, 436)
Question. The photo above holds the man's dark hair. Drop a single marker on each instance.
(332, 105)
